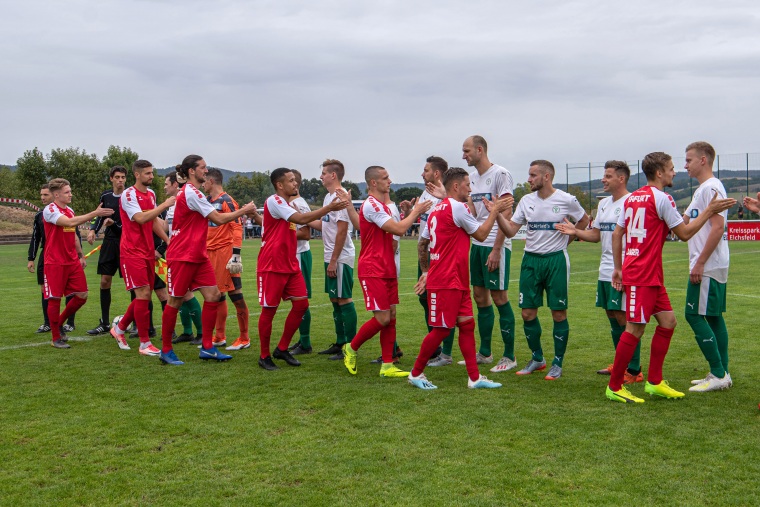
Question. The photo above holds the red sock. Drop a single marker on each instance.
(660, 345)
(71, 308)
(623, 354)
(142, 318)
(265, 329)
(54, 313)
(221, 321)
(292, 322)
(367, 331)
(241, 309)
(467, 346)
(208, 319)
(168, 321)
(431, 342)
(387, 340)
(128, 317)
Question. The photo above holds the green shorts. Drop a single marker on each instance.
(341, 286)
(304, 259)
(706, 298)
(479, 274)
(608, 298)
(539, 273)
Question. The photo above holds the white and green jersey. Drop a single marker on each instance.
(492, 184)
(330, 232)
(397, 254)
(300, 204)
(424, 217)
(716, 266)
(607, 214)
(540, 215)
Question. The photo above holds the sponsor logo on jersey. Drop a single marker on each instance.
(541, 226)
(607, 226)
(555, 209)
(694, 213)
(488, 181)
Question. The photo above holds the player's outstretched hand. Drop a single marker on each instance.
(752, 204)
(100, 211)
(718, 205)
(342, 194)
(566, 227)
(338, 204)
(419, 287)
(250, 208)
(437, 191)
(422, 207)
(406, 206)
(501, 205)
(170, 201)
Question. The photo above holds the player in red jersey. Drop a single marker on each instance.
(449, 227)
(278, 273)
(377, 269)
(187, 258)
(65, 264)
(648, 216)
(138, 210)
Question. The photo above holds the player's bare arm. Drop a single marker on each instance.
(304, 234)
(752, 204)
(494, 257)
(496, 209)
(305, 218)
(353, 215)
(686, 231)
(580, 226)
(80, 253)
(223, 218)
(617, 257)
(340, 241)
(159, 229)
(144, 217)
(713, 240)
(424, 258)
(569, 228)
(76, 221)
(400, 228)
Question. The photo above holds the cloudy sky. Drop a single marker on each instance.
(254, 85)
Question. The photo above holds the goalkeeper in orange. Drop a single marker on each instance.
(224, 242)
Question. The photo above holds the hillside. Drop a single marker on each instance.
(15, 221)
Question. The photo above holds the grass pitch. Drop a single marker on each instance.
(98, 426)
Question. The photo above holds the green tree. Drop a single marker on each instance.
(116, 155)
(310, 190)
(84, 172)
(408, 193)
(31, 174)
(521, 191)
(241, 189)
(352, 187)
(9, 184)
(583, 197)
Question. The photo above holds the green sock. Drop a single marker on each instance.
(195, 314)
(348, 312)
(561, 334)
(532, 330)
(184, 316)
(718, 326)
(507, 326)
(424, 303)
(340, 334)
(485, 329)
(448, 343)
(304, 329)
(707, 342)
(616, 330)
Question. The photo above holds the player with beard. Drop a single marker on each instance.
(189, 267)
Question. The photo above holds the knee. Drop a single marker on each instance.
(384, 318)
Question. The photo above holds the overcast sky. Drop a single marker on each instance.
(255, 85)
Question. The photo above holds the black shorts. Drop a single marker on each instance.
(41, 269)
(108, 260)
(158, 283)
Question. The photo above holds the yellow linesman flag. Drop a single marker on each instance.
(161, 269)
(93, 251)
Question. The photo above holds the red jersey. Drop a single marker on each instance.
(648, 215)
(225, 235)
(60, 242)
(278, 240)
(376, 256)
(189, 226)
(449, 226)
(136, 239)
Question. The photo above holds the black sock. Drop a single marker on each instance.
(44, 310)
(150, 309)
(105, 306)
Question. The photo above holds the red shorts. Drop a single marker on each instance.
(379, 293)
(183, 276)
(63, 281)
(276, 287)
(138, 272)
(446, 305)
(640, 303)
(225, 280)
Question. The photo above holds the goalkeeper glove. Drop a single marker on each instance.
(235, 264)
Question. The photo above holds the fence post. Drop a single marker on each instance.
(747, 162)
(589, 186)
(718, 159)
(567, 176)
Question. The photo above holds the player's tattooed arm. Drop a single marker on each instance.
(423, 255)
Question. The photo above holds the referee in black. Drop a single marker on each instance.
(108, 258)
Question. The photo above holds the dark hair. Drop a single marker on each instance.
(45, 186)
(620, 167)
(298, 176)
(334, 166)
(216, 175)
(56, 184)
(705, 149)
(139, 165)
(117, 169)
(438, 164)
(654, 162)
(278, 174)
(545, 164)
(372, 172)
(189, 162)
(453, 175)
(480, 141)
